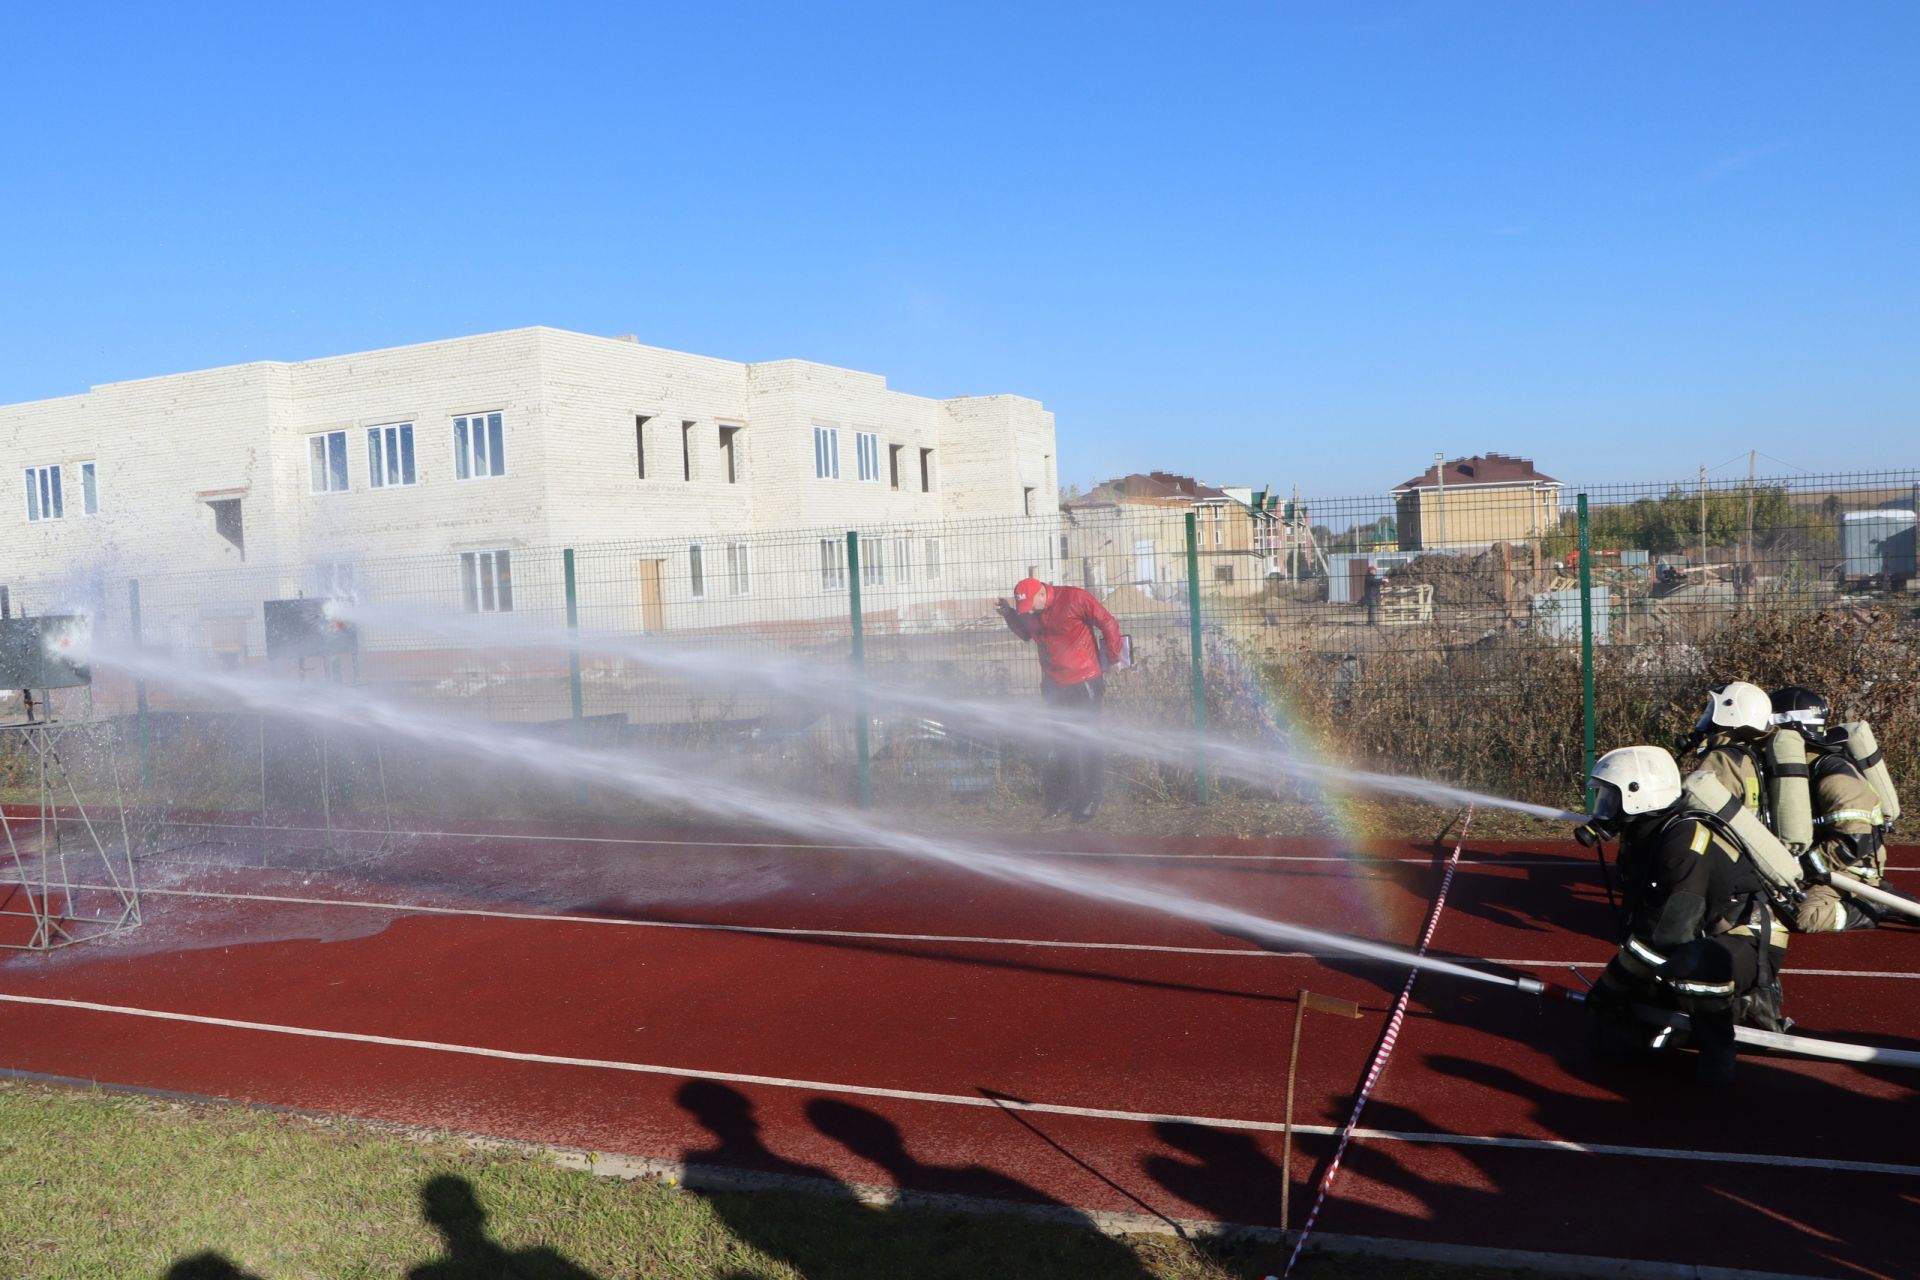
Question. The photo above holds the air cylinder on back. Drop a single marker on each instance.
(1705, 793)
(1789, 791)
(1865, 750)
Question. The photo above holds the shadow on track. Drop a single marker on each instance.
(877, 1241)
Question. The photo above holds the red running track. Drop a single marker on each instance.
(710, 1001)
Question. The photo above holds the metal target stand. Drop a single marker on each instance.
(68, 884)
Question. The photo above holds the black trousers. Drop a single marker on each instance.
(1073, 775)
(1716, 962)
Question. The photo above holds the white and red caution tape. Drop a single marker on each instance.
(1381, 1054)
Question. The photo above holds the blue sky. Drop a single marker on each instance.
(1273, 243)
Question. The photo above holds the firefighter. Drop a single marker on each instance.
(1078, 642)
(1848, 825)
(1729, 738)
(1700, 935)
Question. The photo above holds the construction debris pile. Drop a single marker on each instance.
(1503, 576)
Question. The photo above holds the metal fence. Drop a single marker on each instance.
(1449, 631)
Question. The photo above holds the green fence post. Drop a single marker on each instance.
(1586, 641)
(140, 686)
(573, 626)
(860, 744)
(1199, 665)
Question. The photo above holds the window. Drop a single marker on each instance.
(486, 580)
(1063, 546)
(697, 571)
(739, 569)
(1223, 573)
(478, 449)
(833, 564)
(1219, 526)
(729, 454)
(89, 489)
(44, 501)
(640, 421)
(333, 580)
(873, 562)
(1026, 501)
(893, 465)
(867, 445)
(686, 451)
(932, 560)
(327, 462)
(926, 471)
(229, 523)
(903, 560)
(390, 455)
(826, 453)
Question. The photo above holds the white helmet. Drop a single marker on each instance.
(1738, 708)
(1631, 781)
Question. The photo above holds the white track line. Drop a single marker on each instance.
(867, 935)
(971, 1100)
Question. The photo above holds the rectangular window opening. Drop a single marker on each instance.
(486, 581)
(826, 453)
(833, 564)
(729, 454)
(926, 471)
(686, 451)
(893, 465)
(390, 456)
(89, 489)
(479, 448)
(867, 448)
(873, 562)
(640, 421)
(44, 499)
(1026, 501)
(932, 561)
(739, 569)
(697, 571)
(327, 462)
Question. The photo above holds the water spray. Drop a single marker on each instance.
(657, 781)
(824, 684)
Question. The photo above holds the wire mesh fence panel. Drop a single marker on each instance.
(1436, 629)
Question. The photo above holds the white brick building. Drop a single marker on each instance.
(521, 441)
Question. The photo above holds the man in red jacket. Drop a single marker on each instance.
(1078, 641)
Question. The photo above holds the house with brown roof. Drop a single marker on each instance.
(1475, 502)
(1131, 531)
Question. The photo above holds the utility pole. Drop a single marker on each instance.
(1439, 502)
(1753, 456)
(1703, 517)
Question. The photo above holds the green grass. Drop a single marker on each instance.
(103, 1186)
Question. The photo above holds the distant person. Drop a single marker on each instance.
(1078, 642)
(1370, 594)
(1700, 935)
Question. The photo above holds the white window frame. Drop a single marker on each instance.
(391, 462)
(873, 562)
(484, 588)
(89, 488)
(696, 571)
(902, 560)
(866, 446)
(826, 453)
(833, 564)
(326, 451)
(739, 569)
(931, 561)
(480, 455)
(46, 499)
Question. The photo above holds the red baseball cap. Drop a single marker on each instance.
(1030, 594)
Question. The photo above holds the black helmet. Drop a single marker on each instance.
(1805, 711)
